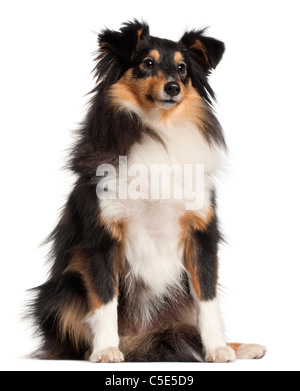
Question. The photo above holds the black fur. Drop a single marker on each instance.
(50, 298)
(117, 49)
(207, 245)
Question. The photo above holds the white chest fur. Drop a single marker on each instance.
(152, 238)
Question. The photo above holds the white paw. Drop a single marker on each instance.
(249, 352)
(221, 355)
(107, 355)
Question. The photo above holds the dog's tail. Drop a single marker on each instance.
(170, 343)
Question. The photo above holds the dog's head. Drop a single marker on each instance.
(150, 72)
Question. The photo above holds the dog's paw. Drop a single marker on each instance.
(109, 355)
(250, 352)
(222, 354)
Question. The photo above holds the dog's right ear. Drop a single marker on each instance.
(117, 49)
(125, 42)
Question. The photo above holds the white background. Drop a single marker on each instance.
(46, 63)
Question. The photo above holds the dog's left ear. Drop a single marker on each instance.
(205, 50)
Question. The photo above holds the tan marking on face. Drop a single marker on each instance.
(189, 108)
(121, 92)
(178, 57)
(192, 109)
(155, 55)
(134, 91)
(174, 114)
(152, 86)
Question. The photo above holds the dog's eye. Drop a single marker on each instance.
(148, 63)
(182, 68)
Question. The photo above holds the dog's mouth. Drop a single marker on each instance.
(166, 103)
(163, 103)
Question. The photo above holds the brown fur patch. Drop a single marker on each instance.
(155, 55)
(191, 222)
(78, 265)
(178, 57)
(198, 45)
(121, 91)
(138, 91)
(192, 108)
(118, 230)
(234, 346)
(71, 321)
(191, 267)
(139, 34)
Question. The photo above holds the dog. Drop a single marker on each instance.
(134, 272)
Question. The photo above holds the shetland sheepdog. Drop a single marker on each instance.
(134, 273)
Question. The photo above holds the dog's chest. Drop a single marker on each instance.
(183, 145)
(152, 225)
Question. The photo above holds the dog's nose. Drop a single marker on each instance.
(172, 88)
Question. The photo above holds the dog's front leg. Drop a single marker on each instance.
(201, 262)
(211, 331)
(104, 326)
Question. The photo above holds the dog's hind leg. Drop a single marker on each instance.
(98, 272)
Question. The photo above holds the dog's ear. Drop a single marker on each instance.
(125, 42)
(117, 49)
(205, 50)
